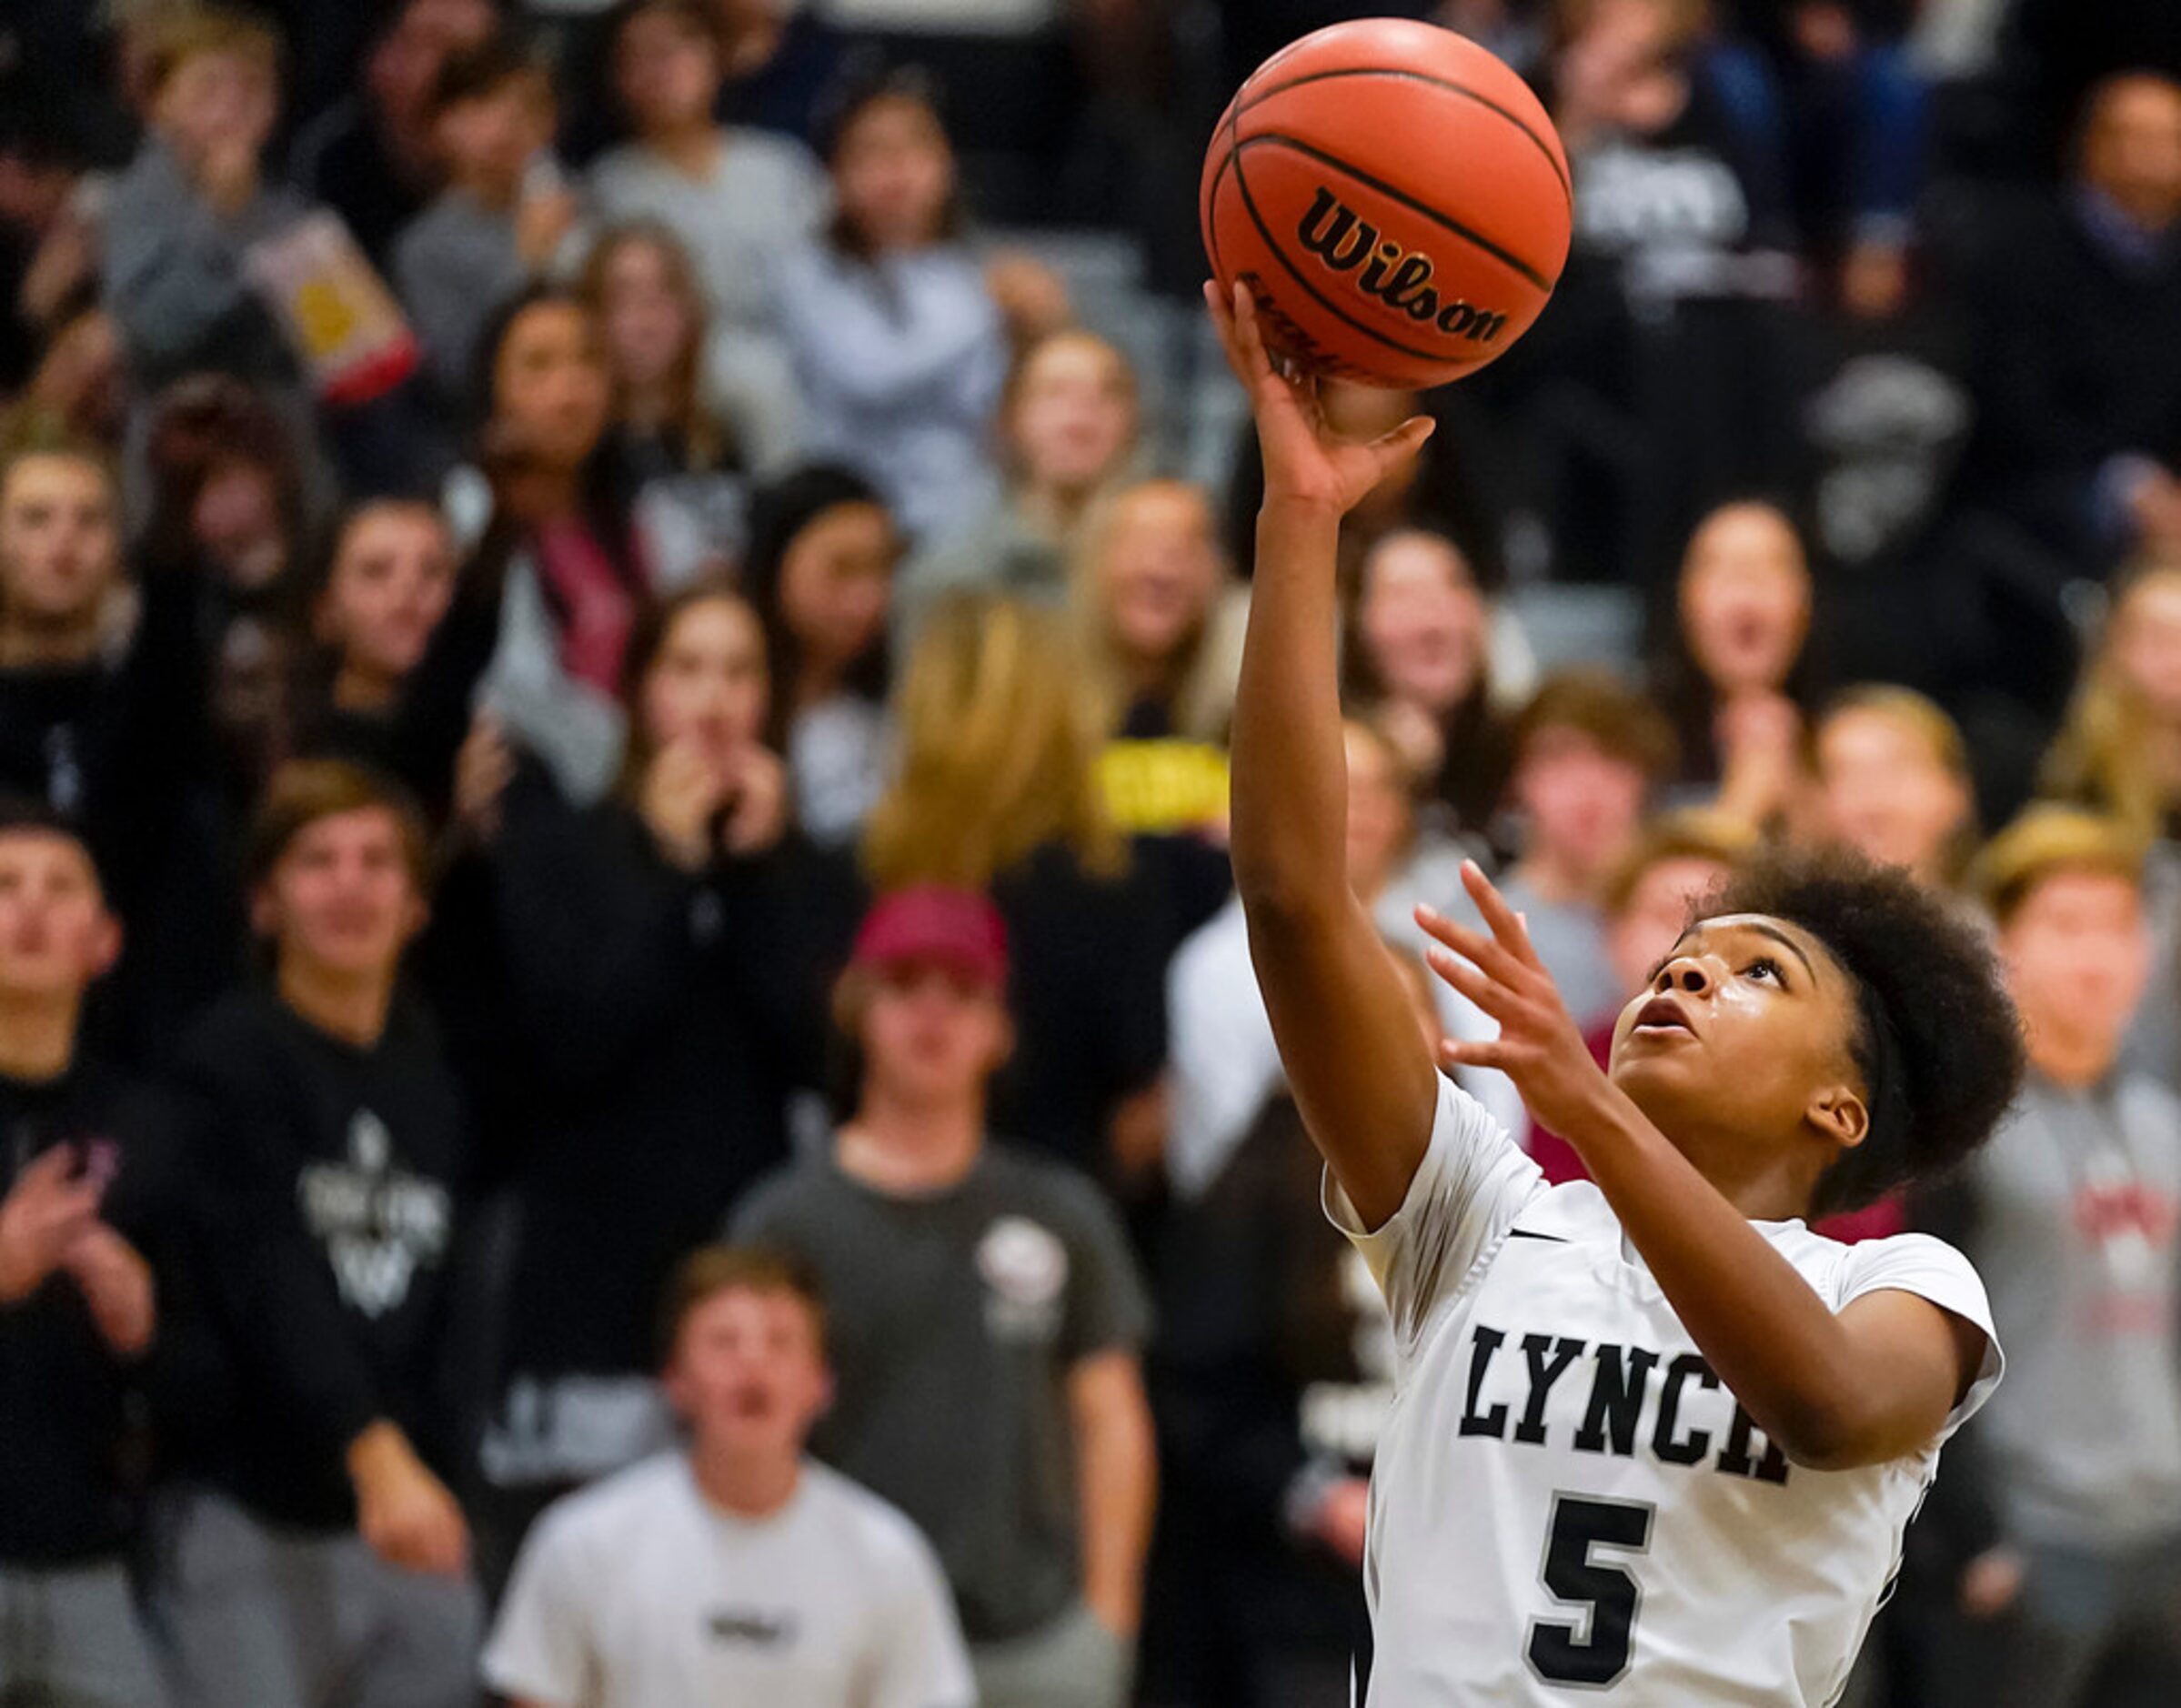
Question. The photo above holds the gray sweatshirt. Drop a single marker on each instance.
(174, 276)
(453, 265)
(901, 362)
(2077, 1196)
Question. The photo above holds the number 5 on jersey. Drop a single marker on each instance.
(1593, 1650)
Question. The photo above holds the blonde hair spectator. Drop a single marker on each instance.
(999, 746)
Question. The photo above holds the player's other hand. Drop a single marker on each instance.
(403, 1511)
(1306, 462)
(1540, 1047)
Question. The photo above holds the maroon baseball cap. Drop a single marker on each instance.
(931, 922)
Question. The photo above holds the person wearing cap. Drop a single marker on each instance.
(987, 1317)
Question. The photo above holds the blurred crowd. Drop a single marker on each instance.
(628, 1072)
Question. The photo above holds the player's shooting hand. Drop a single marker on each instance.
(1305, 460)
(44, 1213)
(116, 1283)
(1540, 1047)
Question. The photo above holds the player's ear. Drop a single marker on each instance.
(1839, 1112)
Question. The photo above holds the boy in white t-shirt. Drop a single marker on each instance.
(734, 1571)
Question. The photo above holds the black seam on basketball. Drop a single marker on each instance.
(1514, 118)
(1209, 212)
(1272, 244)
(1212, 196)
(1477, 238)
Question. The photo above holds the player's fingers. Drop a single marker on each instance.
(1456, 1052)
(1222, 310)
(1251, 336)
(1488, 994)
(1392, 449)
(1473, 947)
(1507, 928)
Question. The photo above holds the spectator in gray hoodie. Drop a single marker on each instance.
(2077, 1225)
(502, 220)
(900, 347)
(194, 199)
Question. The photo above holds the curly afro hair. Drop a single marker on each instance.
(1938, 1041)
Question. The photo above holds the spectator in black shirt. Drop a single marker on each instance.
(99, 719)
(1736, 682)
(320, 1557)
(80, 1185)
(2078, 366)
(1419, 645)
(648, 946)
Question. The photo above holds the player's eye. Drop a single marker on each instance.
(1765, 968)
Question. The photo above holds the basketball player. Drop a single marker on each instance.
(1653, 1441)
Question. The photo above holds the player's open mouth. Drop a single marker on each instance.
(1662, 1017)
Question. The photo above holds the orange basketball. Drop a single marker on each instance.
(1395, 198)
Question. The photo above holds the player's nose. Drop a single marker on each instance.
(1686, 974)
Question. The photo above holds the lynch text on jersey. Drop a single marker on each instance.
(1638, 1399)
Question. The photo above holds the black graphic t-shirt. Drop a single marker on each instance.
(328, 1181)
(63, 1392)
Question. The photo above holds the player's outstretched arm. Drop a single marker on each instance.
(1832, 1388)
(1346, 1028)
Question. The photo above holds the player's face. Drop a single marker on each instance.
(2077, 956)
(341, 900)
(1421, 621)
(1885, 793)
(932, 1034)
(56, 934)
(836, 580)
(59, 545)
(747, 1375)
(1743, 1030)
(708, 683)
(390, 585)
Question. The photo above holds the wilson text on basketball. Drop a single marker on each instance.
(1400, 279)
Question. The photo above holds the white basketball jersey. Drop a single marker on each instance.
(1567, 1504)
